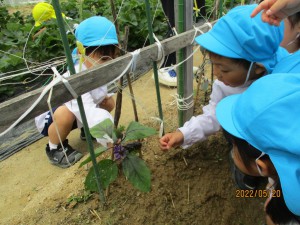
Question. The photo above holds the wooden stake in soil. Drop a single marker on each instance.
(132, 97)
(123, 46)
(120, 94)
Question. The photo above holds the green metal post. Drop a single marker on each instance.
(151, 38)
(62, 31)
(220, 9)
(180, 58)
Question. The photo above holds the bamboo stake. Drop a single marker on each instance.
(118, 103)
(120, 93)
(136, 118)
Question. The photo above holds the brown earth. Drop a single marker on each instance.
(192, 186)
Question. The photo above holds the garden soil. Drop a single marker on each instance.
(192, 186)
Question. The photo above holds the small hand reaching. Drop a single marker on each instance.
(171, 140)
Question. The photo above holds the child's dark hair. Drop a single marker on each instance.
(106, 50)
(247, 152)
(294, 19)
(276, 208)
(278, 211)
(245, 63)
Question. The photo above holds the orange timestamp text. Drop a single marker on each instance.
(257, 193)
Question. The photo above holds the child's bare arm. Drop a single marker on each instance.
(108, 104)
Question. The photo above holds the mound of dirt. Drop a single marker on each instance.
(191, 186)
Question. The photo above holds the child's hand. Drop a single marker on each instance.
(171, 140)
(275, 11)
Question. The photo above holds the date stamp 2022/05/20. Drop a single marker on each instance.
(257, 193)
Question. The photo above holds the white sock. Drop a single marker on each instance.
(52, 146)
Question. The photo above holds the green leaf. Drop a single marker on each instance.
(13, 26)
(137, 172)
(7, 90)
(119, 131)
(137, 131)
(98, 152)
(105, 127)
(108, 170)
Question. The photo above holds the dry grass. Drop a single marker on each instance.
(24, 9)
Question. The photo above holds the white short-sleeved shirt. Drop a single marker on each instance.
(90, 100)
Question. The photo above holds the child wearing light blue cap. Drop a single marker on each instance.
(96, 43)
(268, 121)
(241, 50)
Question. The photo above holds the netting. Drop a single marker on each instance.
(18, 138)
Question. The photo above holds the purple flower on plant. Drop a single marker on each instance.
(120, 152)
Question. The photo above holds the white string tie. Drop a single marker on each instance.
(191, 55)
(129, 67)
(65, 82)
(198, 29)
(55, 81)
(208, 24)
(182, 103)
(58, 77)
(175, 31)
(160, 51)
(135, 56)
(161, 129)
(44, 92)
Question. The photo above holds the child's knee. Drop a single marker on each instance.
(64, 115)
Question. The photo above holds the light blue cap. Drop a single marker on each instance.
(290, 64)
(237, 35)
(96, 31)
(267, 115)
